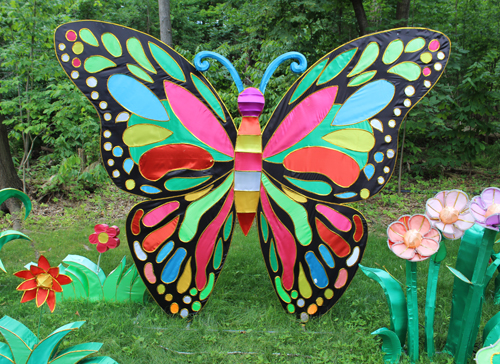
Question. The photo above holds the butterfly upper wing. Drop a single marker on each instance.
(166, 135)
(332, 139)
(164, 129)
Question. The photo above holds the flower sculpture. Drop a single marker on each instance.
(449, 212)
(41, 282)
(413, 238)
(486, 208)
(105, 237)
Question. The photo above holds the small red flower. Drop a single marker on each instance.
(41, 282)
(105, 237)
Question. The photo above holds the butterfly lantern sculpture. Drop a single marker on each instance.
(168, 136)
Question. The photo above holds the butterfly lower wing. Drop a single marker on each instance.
(179, 245)
(311, 249)
(164, 129)
(333, 137)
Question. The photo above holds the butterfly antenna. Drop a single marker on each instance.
(294, 66)
(205, 65)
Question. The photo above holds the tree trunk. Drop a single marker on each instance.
(402, 13)
(8, 174)
(165, 23)
(359, 10)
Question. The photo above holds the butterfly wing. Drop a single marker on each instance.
(165, 135)
(332, 139)
(180, 245)
(164, 129)
(311, 248)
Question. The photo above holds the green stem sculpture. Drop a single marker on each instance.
(411, 298)
(430, 299)
(472, 311)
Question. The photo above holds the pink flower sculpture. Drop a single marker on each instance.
(413, 238)
(105, 237)
(449, 212)
(486, 208)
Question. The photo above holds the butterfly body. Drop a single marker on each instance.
(167, 135)
(248, 157)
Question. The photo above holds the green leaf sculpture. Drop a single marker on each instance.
(391, 345)
(9, 235)
(23, 347)
(395, 299)
(90, 282)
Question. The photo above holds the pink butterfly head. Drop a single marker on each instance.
(251, 102)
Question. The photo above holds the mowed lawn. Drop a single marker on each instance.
(243, 321)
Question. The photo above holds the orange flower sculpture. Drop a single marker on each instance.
(42, 282)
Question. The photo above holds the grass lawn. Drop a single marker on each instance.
(243, 321)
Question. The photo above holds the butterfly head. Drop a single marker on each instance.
(251, 102)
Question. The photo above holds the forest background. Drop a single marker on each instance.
(53, 131)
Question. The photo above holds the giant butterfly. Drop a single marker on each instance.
(167, 135)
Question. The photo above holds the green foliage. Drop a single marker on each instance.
(90, 282)
(23, 347)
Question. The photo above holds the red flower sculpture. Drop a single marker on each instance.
(105, 237)
(42, 282)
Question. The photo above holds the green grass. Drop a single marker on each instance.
(243, 321)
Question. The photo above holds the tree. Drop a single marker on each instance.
(359, 10)
(8, 175)
(403, 12)
(165, 23)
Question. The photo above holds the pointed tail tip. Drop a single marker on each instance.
(245, 220)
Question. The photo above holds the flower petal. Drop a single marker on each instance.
(404, 219)
(439, 225)
(490, 196)
(457, 199)
(24, 274)
(420, 223)
(433, 234)
(102, 248)
(433, 207)
(36, 270)
(100, 228)
(418, 258)
(428, 247)
(493, 221)
(457, 234)
(113, 243)
(402, 251)
(396, 231)
(63, 279)
(41, 296)
(51, 301)
(477, 210)
(54, 272)
(56, 286)
(441, 196)
(448, 229)
(27, 285)
(93, 238)
(43, 263)
(465, 221)
(112, 231)
(28, 296)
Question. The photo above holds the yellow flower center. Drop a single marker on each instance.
(412, 239)
(493, 209)
(103, 238)
(44, 280)
(448, 215)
